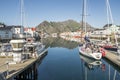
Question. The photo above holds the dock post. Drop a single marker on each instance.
(118, 51)
(7, 68)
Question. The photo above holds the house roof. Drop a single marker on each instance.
(5, 28)
(105, 26)
(15, 26)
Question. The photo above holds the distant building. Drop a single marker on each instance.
(5, 33)
(9, 32)
(2, 25)
(31, 31)
(105, 31)
(16, 30)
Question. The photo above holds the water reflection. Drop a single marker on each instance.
(98, 70)
(59, 42)
(63, 62)
(90, 63)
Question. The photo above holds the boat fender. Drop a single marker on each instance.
(103, 52)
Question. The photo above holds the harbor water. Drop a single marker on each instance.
(64, 62)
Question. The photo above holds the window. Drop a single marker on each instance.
(18, 45)
(6, 32)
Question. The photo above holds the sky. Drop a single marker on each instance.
(37, 11)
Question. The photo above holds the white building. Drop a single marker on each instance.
(106, 31)
(31, 31)
(9, 32)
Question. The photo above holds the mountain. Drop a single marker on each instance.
(59, 27)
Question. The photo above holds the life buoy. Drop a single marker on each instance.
(103, 52)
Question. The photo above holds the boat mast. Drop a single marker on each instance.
(22, 14)
(83, 28)
(109, 14)
(84, 16)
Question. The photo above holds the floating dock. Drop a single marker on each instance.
(114, 57)
(24, 70)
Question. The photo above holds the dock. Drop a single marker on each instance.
(24, 70)
(114, 57)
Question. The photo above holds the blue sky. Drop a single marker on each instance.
(36, 11)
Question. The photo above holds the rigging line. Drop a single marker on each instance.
(107, 13)
(109, 8)
(22, 12)
(85, 15)
(108, 18)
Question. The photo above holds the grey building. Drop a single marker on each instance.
(9, 32)
(5, 33)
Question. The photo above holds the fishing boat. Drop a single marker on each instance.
(24, 47)
(33, 48)
(88, 49)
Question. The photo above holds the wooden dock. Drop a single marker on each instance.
(113, 57)
(12, 71)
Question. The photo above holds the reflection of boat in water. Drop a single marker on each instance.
(90, 63)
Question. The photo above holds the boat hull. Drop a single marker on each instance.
(111, 48)
(94, 55)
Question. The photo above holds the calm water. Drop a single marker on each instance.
(65, 63)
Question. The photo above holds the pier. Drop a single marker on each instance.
(114, 57)
(20, 71)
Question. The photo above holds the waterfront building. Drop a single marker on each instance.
(106, 31)
(31, 31)
(5, 33)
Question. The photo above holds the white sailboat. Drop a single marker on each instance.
(88, 49)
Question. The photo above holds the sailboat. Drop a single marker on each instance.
(108, 45)
(88, 49)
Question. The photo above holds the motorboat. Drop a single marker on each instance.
(33, 48)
